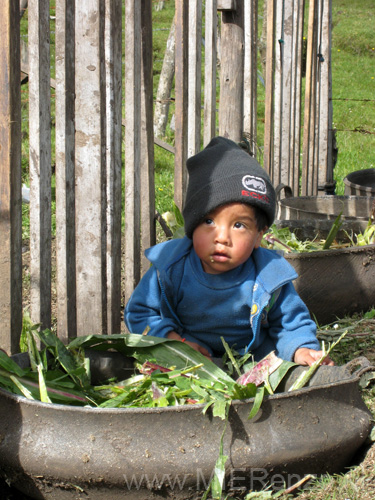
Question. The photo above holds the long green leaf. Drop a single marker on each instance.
(231, 357)
(56, 392)
(65, 357)
(278, 375)
(10, 366)
(305, 376)
(42, 385)
(333, 232)
(25, 391)
(217, 482)
(258, 400)
(220, 408)
(37, 365)
(166, 352)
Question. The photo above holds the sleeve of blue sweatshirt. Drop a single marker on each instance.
(144, 308)
(290, 324)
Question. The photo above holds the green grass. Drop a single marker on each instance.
(353, 87)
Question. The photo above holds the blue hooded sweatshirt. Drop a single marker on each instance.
(254, 307)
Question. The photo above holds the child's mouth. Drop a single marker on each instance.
(219, 257)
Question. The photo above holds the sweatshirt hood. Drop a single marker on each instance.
(271, 268)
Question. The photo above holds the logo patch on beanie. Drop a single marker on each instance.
(253, 183)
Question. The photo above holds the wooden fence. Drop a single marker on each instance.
(88, 85)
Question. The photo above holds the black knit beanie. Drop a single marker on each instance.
(224, 173)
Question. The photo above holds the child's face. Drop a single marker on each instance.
(226, 237)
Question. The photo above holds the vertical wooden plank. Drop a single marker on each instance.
(194, 77)
(269, 96)
(278, 92)
(296, 92)
(90, 154)
(147, 136)
(132, 143)
(65, 202)
(250, 72)
(10, 179)
(307, 187)
(282, 171)
(324, 108)
(330, 182)
(40, 162)
(113, 69)
(181, 100)
(287, 43)
(232, 73)
(210, 61)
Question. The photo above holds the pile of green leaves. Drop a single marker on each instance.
(167, 373)
(284, 239)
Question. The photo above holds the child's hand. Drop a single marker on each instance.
(199, 348)
(194, 345)
(305, 356)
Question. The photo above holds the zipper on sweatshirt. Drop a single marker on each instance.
(166, 300)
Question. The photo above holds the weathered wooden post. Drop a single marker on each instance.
(132, 144)
(10, 179)
(195, 76)
(113, 67)
(181, 103)
(65, 171)
(232, 69)
(147, 136)
(40, 162)
(325, 162)
(210, 62)
(90, 168)
(296, 96)
(309, 172)
(269, 95)
(287, 106)
(251, 72)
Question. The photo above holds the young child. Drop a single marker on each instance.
(217, 281)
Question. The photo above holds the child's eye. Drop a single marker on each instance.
(239, 225)
(208, 221)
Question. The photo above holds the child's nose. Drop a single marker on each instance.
(222, 235)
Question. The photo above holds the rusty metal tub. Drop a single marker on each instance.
(337, 282)
(325, 207)
(50, 451)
